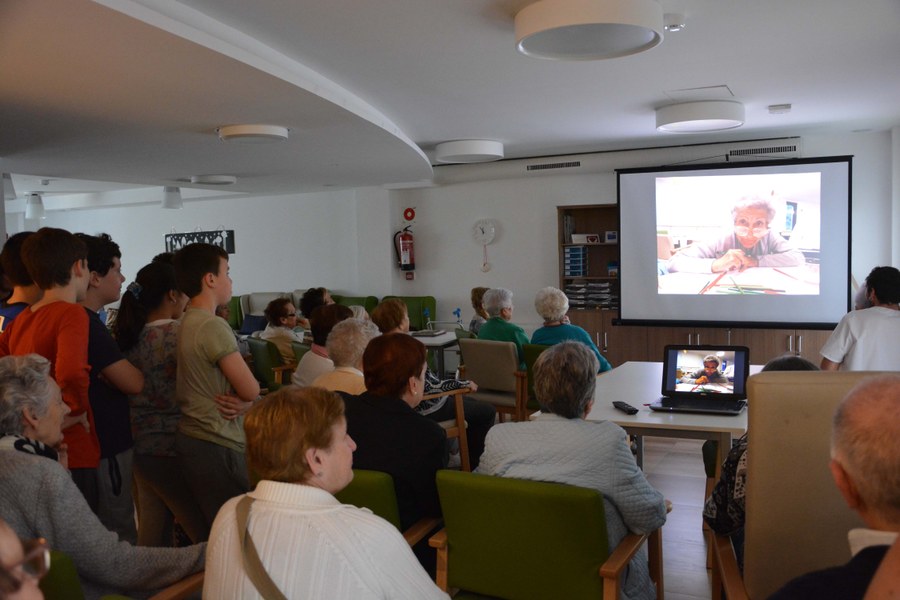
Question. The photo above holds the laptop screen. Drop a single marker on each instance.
(704, 370)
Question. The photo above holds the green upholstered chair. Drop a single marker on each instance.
(420, 309)
(268, 366)
(189, 587)
(513, 538)
(531, 352)
(235, 315)
(375, 490)
(367, 302)
(300, 349)
(61, 581)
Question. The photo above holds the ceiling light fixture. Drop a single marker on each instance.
(34, 207)
(696, 117)
(172, 197)
(252, 134)
(588, 29)
(213, 179)
(468, 151)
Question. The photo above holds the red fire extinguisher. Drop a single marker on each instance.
(403, 247)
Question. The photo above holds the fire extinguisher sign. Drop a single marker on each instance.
(409, 214)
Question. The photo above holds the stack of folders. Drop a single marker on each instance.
(575, 261)
(593, 294)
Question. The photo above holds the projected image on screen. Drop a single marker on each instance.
(739, 235)
(705, 373)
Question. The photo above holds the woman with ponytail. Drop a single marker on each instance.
(146, 330)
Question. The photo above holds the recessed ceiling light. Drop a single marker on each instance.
(674, 22)
(213, 179)
(468, 151)
(252, 134)
(696, 117)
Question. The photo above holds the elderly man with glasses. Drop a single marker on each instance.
(749, 242)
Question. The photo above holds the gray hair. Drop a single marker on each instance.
(754, 202)
(360, 312)
(495, 300)
(348, 340)
(865, 440)
(24, 383)
(712, 358)
(565, 376)
(551, 304)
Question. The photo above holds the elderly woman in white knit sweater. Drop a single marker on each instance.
(309, 544)
(561, 446)
(39, 499)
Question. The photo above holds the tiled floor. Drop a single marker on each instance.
(675, 468)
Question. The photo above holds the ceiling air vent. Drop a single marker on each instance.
(559, 165)
(785, 151)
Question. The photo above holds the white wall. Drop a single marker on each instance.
(343, 240)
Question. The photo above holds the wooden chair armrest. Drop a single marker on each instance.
(439, 541)
(181, 589)
(456, 392)
(726, 573)
(283, 368)
(418, 530)
(614, 566)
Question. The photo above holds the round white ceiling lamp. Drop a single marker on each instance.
(213, 179)
(172, 197)
(697, 117)
(588, 29)
(34, 207)
(468, 151)
(252, 134)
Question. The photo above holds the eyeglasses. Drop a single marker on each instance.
(36, 562)
(289, 315)
(759, 228)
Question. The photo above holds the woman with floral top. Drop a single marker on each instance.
(147, 332)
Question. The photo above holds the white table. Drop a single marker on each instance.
(439, 343)
(640, 383)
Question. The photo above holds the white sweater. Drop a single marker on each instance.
(312, 546)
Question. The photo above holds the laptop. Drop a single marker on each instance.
(427, 332)
(704, 379)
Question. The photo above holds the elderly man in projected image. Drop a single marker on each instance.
(749, 242)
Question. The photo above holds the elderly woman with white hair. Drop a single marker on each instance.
(499, 307)
(346, 344)
(749, 242)
(561, 446)
(553, 305)
(39, 499)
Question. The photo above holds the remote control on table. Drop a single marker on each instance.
(625, 407)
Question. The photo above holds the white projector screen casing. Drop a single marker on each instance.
(641, 302)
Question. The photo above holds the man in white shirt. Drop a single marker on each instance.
(869, 339)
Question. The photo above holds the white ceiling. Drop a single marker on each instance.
(130, 92)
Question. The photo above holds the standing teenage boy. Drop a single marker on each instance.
(112, 379)
(56, 327)
(214, 386)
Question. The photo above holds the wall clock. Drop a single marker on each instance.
(484, 231)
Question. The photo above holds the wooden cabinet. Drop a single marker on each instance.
(766, 344)
(618, 343)
(588, 264)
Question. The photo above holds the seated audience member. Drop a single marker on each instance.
(346, 344)
(499, 306)
(480, 315)
(553, 305)
(865, 463)
(282, 318)
(317, 362)
(391, 316)
(869, 339)
(309, 544)
(223, 311)
(560, 446)
(147, 332)
(389, 434)
(24, 291)
(710, 372)
(724, 510)
(39, 499)
(21, 568)
(360, 312)
(310, 301)
(861, 299)
(748, 241)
